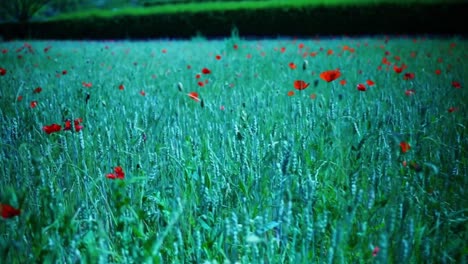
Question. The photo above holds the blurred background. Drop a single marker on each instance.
(92, 19)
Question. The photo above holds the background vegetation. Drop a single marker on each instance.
(144, 20)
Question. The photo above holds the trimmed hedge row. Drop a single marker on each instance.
(379, 19)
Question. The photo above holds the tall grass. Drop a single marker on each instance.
(247, 174)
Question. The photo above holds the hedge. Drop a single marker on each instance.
(311, 21)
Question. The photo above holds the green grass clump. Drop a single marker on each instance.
(245, 173)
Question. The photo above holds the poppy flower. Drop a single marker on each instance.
(235, 46)
(201, 84)
(300, 85)
(313, 96)
(121, 87)
(452, 109)
(2, 71)
(206, 71)
(408, 76)
(142, 93)
(283, 49)
(405, 147)
(218, 57)
(51, 128)
(329, 52)
(8, 211)
(361, 87)
(375, 251)
(76, 122)
(343, 82)
(290, 93)
(85, 84)
(438, 71)
(198, 76)
(20, 97)
(292, 66)
(456, 85)
(33, 104)
(370, 82)
(194, 96)
(409, 92)
(64, 72)
(117, 174)
(330, 75)
(397, 69)
(37, 90)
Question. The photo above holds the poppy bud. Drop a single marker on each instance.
(305, 64)
(180, 86)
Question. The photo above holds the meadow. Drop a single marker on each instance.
(332, 150)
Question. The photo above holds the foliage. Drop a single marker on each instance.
(21, 10)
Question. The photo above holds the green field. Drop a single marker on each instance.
(256, 167)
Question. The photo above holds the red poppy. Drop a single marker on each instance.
(300, 85)
(408, 76)
(330, 75)
(375, 251)
(52, 128)
(2, 71)
(361, 87)
(194, 96)
(64, 72)
(4, 51)
(456, 85)
(37, 90)
(8, 211)
(142, 93)
(438, 71)
(20, 97)
(218, 57)
(85, 84)
(329, 52)
(386, 61)
(397, 69)
(292, 66)
(290, 93)
(283, 49)
(409, 92)
(118, 174)
(370, 82)
(452, 109)
(235, 46)
(33, 104)
(313, 96)
(121, 87)
(76, 122)
(201, 84)
(206, 71)
(343, 82)
(405, 147)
